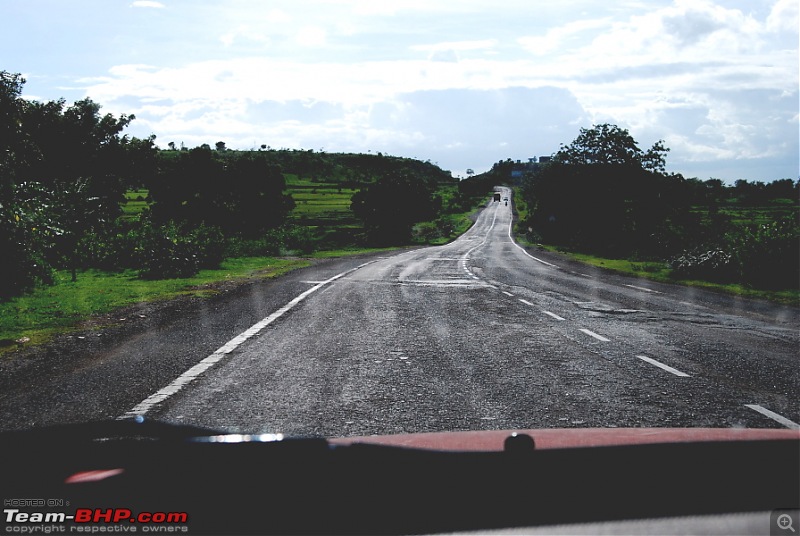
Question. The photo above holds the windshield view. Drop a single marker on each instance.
(352, 220)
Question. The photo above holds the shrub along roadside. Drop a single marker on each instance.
(168, 250)
(763, 256)
(661, 271)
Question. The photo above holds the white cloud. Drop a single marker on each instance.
(783, 17)
(450, 51)
(147, 3)
(457, 45)
(560, 38)
(311, 36)
(716, 82)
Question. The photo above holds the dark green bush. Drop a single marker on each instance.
(114, 249)
(27, 233)
(273, 242)
(266, 246)
(769, 255)
(426, 231)
(164, 252)
(209, 244)
(297, 238)
(763, 256)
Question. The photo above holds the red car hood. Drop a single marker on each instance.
(569, 437)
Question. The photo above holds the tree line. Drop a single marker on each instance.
(602, 194)
(65, 170)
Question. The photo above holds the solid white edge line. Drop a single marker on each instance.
(522, 249)
(642, 288)
(774, 416)
(192, 373)
(660, 365)
(548, 313)
(595, 335)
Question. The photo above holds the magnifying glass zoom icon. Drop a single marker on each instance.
(785, 522)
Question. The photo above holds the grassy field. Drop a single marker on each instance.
(320, 203)
(324, 207)
(658, 271)
(747, 215)
(59, 308)
(55, 309)
(134, 204)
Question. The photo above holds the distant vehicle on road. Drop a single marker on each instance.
(497, 197)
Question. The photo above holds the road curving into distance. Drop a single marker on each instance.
(483, 334)
(478, 334)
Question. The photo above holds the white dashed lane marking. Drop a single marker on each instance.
(774, 416)
(660, 365)
(643, 289)
(595, 335)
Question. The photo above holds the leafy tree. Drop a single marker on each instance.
(607, 144)
(256, 199)
(239, 193)
(78, 213)
(27, 229)
(391, 206)
(602, 193)
(13, 142)
(63, 171)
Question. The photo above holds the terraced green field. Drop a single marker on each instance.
(320, 203)
(775, 210)
(134, 204)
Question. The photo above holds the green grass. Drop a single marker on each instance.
(320, 203)
(521, 209)
(59, 308)
(747, 215)
(134, 203)
(346, 252)
(657, 271)
(324, 205)
(461, 222)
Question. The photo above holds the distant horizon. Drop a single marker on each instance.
(464, 176)
(457, 82)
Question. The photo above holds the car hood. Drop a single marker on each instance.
(555, 438)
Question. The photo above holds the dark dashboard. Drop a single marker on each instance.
(107, 474)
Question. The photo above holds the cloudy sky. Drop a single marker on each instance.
(461, 83)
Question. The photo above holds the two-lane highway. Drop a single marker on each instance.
(482, 334)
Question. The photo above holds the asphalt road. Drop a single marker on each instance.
(474, 335)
